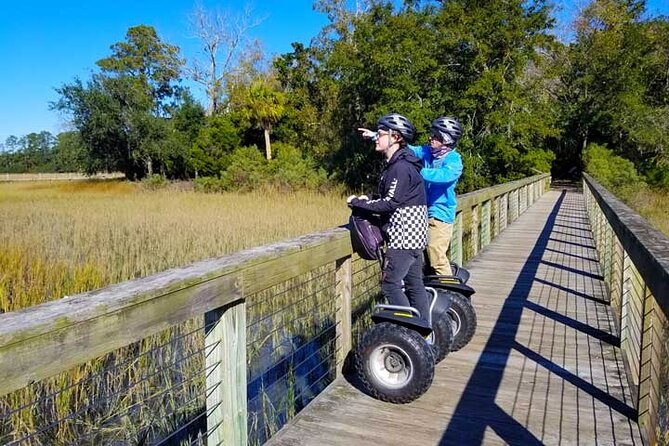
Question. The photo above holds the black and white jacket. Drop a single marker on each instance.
(402, 206)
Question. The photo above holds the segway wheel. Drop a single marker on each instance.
(442, 330)
(394, 363)
(463, 320)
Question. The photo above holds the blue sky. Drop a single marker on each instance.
(44, 44)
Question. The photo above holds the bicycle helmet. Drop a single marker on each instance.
(398, 123)
(447, 128)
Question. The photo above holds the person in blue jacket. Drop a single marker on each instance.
(442, 167)
(401, 207)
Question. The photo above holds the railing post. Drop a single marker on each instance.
(225, 365)
(475, 233)
(512, 207)
(456, 240)
(485, 224)
(343, 279)
(608, 255)
(497, 214)
(625, 287)
(523, 199)
(652, 353)
(617, 279)
(504, 210)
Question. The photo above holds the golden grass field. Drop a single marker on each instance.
(651, 204)
(65, 238)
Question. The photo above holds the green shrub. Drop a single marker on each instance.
(613, 172)
(248, 170)
(208, 184)
(291, 170)
(154, 182)
(537, 160)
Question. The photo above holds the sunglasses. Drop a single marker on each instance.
(379, 133)
(436, 137)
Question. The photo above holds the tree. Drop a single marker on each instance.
(615, 85)
(121, 112)
(223, 38)
(153, 64)
(479, 61)
(261, 103)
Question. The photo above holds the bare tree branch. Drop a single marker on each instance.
(223, 37)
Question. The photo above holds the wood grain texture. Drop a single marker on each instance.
(543, 368)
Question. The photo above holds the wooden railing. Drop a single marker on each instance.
(635, 260)
(246, 305)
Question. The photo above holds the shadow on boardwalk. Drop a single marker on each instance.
(477, 409)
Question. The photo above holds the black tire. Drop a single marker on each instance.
(463, 320)
(442, 328)
(394, 363)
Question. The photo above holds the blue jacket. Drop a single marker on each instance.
(440, 175)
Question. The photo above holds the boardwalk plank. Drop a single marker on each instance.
(543, 368)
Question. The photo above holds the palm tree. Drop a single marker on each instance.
(263, 105)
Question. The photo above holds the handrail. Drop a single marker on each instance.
(41, 341)
(635, 259)
(647, 247)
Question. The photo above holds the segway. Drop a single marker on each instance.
(396, 357)
(461, 312)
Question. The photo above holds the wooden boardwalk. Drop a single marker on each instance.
(543, 368)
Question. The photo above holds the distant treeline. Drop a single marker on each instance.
(526, 100)
(42, 152)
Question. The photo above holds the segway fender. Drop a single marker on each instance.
(449, 285)
(404, 319)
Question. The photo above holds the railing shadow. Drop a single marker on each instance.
(477, 409)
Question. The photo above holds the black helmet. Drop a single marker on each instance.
(448, 125)
(398, 123)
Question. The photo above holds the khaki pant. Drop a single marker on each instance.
(439, 234)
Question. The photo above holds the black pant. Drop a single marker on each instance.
(407, 265)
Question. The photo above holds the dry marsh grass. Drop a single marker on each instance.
(61, 239)
(65, 238)
(651, 204)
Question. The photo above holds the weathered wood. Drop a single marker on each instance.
(504, 212)
(471, 199)
(485, 223)
(653, 363)
(456, 252)
(344, 279)
(41, 341)
(543, 367)
(226, 375)
(261, 276)
(54, 349)
(645, 273)
(647, 247)
(474, 232)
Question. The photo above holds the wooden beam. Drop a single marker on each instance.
(226, 380)
(344, 279)
(41, 341)
(647, 247)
